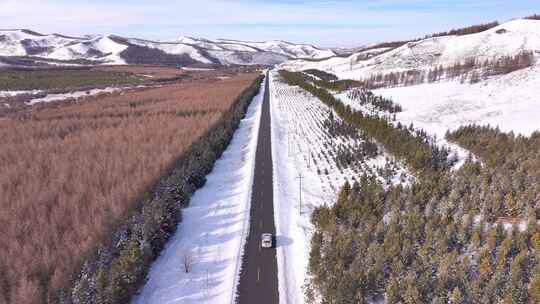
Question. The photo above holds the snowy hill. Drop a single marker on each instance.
(290, 50)
(22, 43)
(110, 49)
(507, 100)
(508, 39)
(285, 48)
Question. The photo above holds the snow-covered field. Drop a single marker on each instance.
(510, 102)
(213, 230)
(302, 146)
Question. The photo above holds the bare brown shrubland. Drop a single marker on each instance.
(69, 174)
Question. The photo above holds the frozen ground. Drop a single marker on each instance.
(213, 229)
(302, 147)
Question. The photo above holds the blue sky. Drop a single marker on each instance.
(324, 22)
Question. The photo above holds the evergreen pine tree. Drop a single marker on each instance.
(456, 297)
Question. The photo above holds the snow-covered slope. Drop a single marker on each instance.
(101, 48)
(507, 39)
(58, 47)
(173, 48)
(109, 49)
(285, 48)
(509, 102)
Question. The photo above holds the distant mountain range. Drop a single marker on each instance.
(26, 47)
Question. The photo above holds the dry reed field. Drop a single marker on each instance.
(70, 173)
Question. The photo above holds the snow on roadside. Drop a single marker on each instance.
(213, 228)
(300, 145)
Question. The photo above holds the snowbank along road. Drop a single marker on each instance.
(213, 229)
(258, 279)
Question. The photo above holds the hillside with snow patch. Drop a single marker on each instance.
(507, 39)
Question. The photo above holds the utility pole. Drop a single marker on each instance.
(288, 143)
(299, 177)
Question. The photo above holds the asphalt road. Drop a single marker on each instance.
(258, 279)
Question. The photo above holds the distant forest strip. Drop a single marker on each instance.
(442, 238)
(86, 194)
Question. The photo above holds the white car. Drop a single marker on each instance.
(267, 240)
